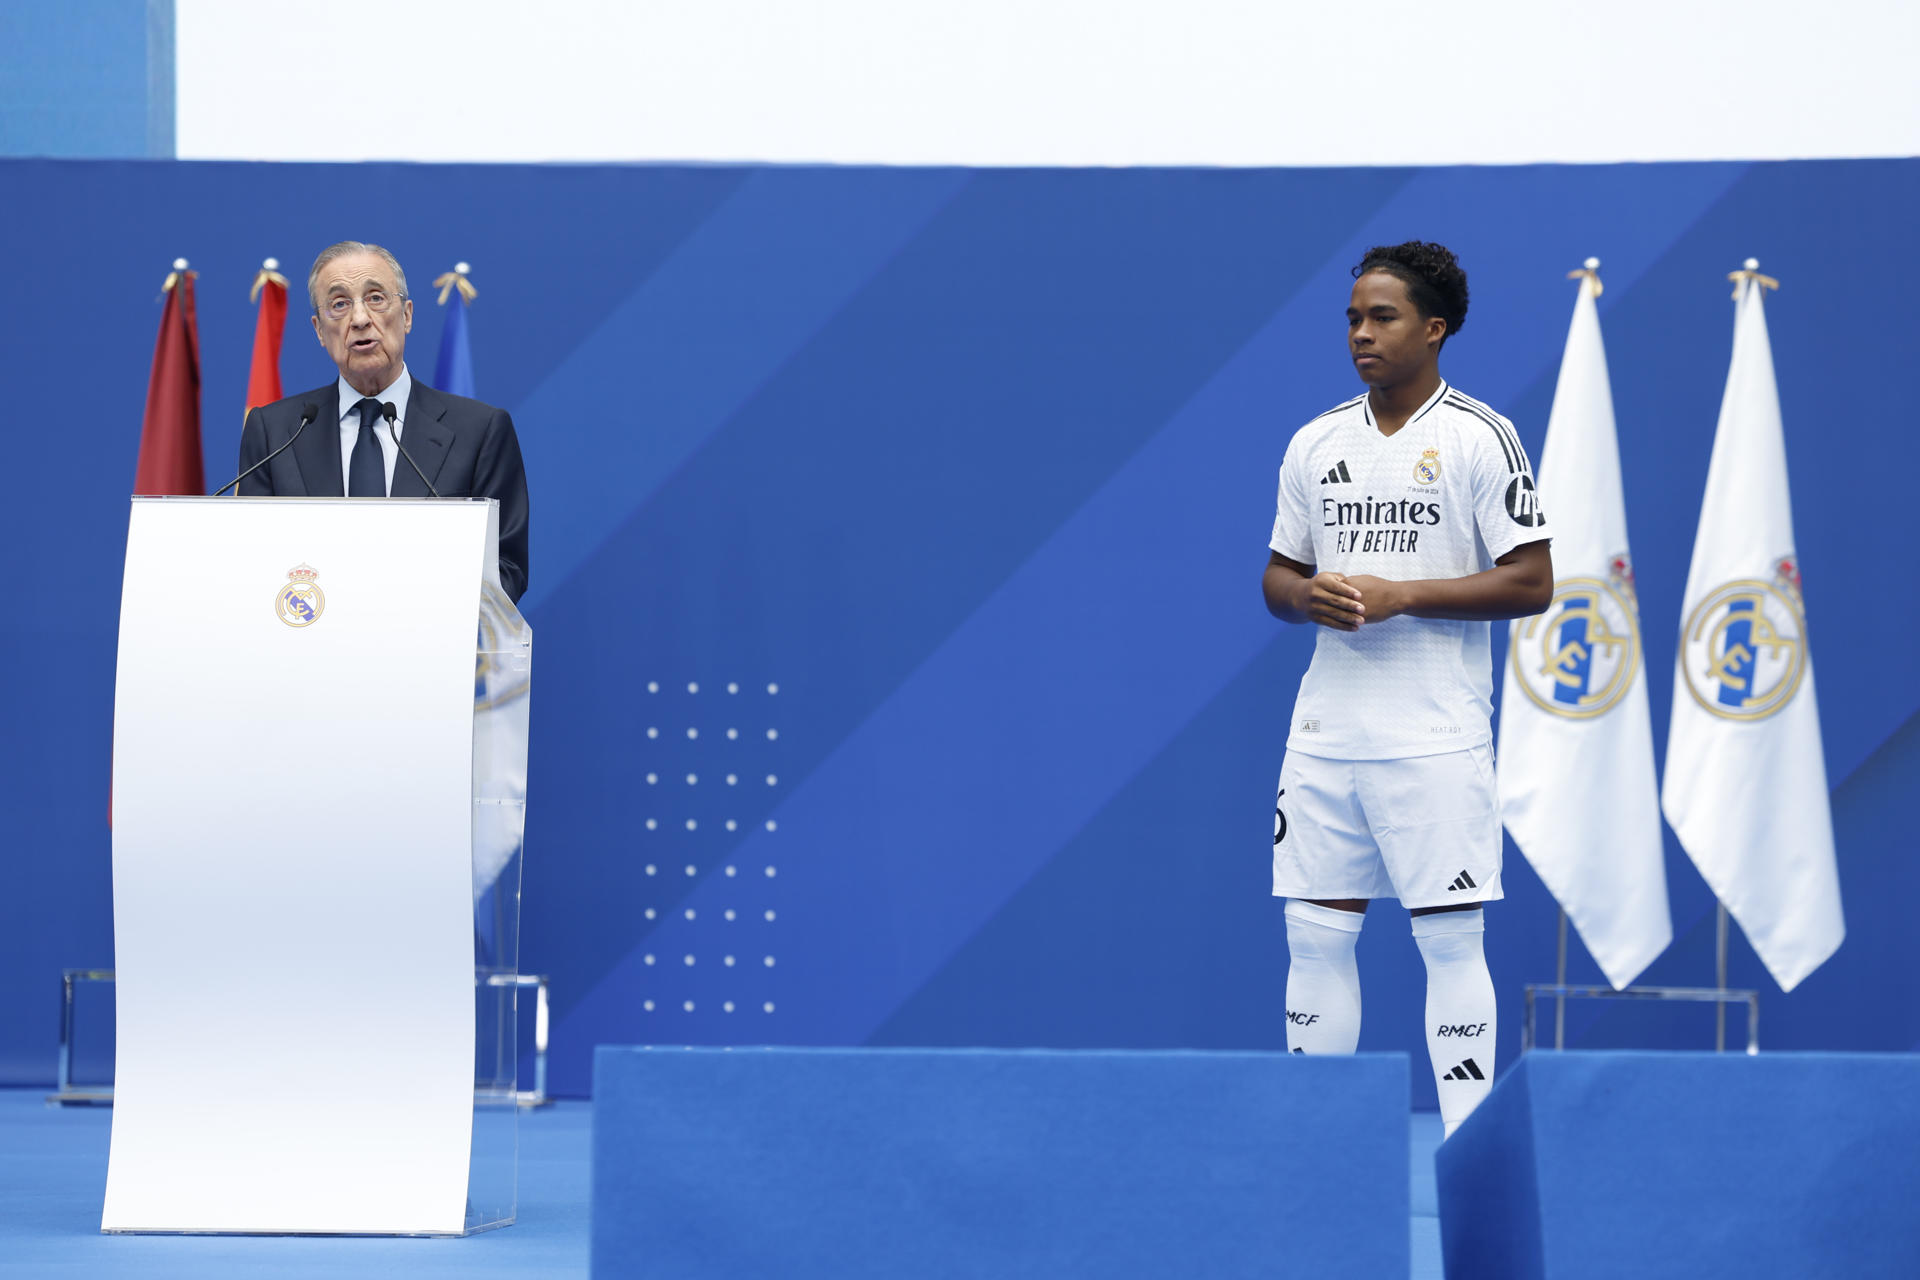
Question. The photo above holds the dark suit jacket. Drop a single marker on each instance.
(466, 448)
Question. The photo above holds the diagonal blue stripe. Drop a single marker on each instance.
(1132, 617)
(743, 293)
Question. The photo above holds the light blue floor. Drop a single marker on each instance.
(53, 1171)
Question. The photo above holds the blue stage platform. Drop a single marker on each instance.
(53, 1168)
(845, 1164)
(1689, 1166)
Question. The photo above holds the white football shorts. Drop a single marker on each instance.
(1425, 830)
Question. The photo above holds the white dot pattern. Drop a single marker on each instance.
(682, 911)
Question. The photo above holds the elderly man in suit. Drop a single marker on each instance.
(362, 315)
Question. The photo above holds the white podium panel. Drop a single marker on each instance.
(293, 866)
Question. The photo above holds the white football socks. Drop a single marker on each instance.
(1460, 1010)
(1323, 983)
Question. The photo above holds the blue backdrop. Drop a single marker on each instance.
(949, 490)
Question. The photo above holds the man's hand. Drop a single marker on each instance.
(1334, 601)
(1295, 593)
(1380, 598)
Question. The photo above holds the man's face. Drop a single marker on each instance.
(1386, 334)
(367, 343)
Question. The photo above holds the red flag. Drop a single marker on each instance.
(270, 291)
(170, 459)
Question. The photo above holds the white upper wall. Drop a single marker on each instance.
(1048, 82)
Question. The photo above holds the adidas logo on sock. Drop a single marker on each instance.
(1338, 475)
(1467, 1070)
(1463, 880)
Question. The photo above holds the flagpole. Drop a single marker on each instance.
(1560, 980)
(1748, 277)
(1720, 977)
(1742, 280)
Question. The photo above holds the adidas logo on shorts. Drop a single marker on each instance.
(1462, 881)
(1467, 1070)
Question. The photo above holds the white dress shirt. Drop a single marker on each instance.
(350, 424)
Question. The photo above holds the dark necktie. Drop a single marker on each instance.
(367, 470)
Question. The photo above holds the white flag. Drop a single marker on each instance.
(1577, 787)
(1746, 784)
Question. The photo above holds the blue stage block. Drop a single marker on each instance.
(1688, 1165)
(895, 1163)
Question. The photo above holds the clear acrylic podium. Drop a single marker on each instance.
(320, 744)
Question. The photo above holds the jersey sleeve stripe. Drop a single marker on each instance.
(1506, 449)
(1519, 450)
(1347, 404)
(1505, 428)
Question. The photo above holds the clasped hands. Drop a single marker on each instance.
(1347, 603)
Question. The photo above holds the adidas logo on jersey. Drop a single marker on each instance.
(1462, 881)
(1338, 475)
(1467, 1070)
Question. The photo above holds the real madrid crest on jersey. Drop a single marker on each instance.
(1578, 659)
(1744, 650)
(1427, 470)
(300, 602)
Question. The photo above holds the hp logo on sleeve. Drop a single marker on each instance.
(1523, 504)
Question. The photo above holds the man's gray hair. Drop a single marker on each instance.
(341, 250)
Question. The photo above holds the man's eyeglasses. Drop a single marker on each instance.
(376, 301)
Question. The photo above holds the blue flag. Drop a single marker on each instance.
(454, 371)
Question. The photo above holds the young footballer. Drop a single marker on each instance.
(1407, 522)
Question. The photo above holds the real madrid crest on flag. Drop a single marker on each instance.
(1578, 659)
(1742, 650)
(300, 602)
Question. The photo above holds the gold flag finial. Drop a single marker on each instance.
(269, 273)
(456, 279)
(1590, 271)
(1750, 270)
(173, 276)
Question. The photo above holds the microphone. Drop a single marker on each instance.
(308, 412)
(390, 413)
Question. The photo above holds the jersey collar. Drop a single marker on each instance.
(1366, 406)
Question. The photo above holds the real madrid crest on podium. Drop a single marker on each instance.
(300, 602)
(1578, 659)
(1743, 650)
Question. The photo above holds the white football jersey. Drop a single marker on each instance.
(1443, 497)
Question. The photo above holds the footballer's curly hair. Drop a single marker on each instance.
(1435, 283)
